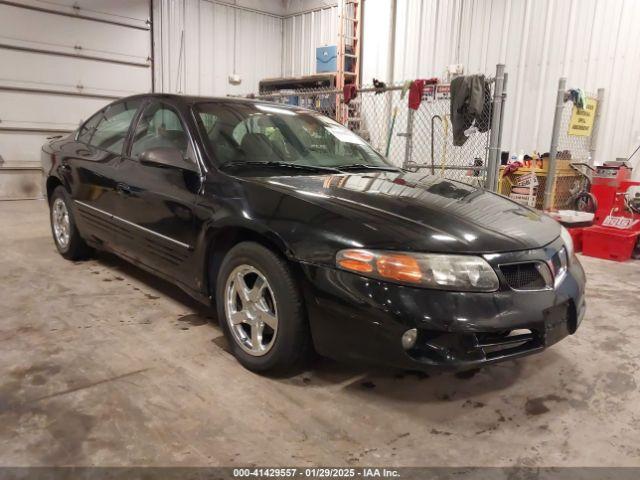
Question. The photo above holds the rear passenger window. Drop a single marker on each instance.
(113, 125)
(159, 126)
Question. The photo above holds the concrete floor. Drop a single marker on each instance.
(102, 364)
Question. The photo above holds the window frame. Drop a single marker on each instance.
(191, 143)
(139, 108)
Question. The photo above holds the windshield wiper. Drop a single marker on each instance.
(364, 166)
(297, 166)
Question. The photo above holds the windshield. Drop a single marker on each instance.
(241, 133)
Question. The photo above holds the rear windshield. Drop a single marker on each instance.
(258, 132)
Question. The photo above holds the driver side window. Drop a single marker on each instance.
(159, 126)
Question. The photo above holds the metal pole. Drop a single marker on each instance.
(152, 54)
(494, 140)
(553, 150)
(391, 49)
(500, 129)
(452, 167)
(391, 60)
(593, 145)
(408, 148)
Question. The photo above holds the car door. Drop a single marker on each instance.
(159, 201)
(92, 161)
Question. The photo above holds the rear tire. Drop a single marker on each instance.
(261, 311)
(63, 227)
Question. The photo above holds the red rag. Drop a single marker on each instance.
(349, 91)
(415, 94)
(511, 167)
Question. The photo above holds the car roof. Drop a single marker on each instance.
(191, 99)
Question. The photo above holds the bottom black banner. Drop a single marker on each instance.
(252, 472)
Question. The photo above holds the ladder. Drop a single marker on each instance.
(349, 35)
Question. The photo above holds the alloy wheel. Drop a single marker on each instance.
(61, 223)
(251, 310)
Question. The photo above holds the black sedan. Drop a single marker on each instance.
(304, 238)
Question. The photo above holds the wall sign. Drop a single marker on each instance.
(443, 92)
(581, 123)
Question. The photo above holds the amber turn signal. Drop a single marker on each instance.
(402, 268)
(356, 260)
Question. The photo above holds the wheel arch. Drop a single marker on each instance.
(220, 240)
(51, 184)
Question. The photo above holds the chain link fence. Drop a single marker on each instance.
(418, 140)
(576, 148)
(554, 182)
(573, 147)
(433, 145)
(379, 116)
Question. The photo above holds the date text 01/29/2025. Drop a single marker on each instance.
(316, 472)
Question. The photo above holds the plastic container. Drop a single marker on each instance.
(608, 243)
(576, 235)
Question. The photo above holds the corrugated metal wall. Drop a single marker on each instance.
(302, 33)
(199, 43)
(593, 43)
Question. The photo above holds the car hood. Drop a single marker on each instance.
(418, 212)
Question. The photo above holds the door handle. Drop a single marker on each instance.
(123, 188)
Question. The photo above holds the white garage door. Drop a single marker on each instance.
(60, 61)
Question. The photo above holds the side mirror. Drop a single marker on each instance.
(166, 157)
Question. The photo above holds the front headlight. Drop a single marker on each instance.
(568, 242)
(429, 270)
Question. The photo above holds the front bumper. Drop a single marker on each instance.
(354, 318)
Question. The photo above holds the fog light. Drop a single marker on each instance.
(409, 338)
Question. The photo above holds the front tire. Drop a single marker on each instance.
(261, 310)
(63, 227)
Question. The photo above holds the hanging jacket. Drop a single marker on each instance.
(470, 104)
